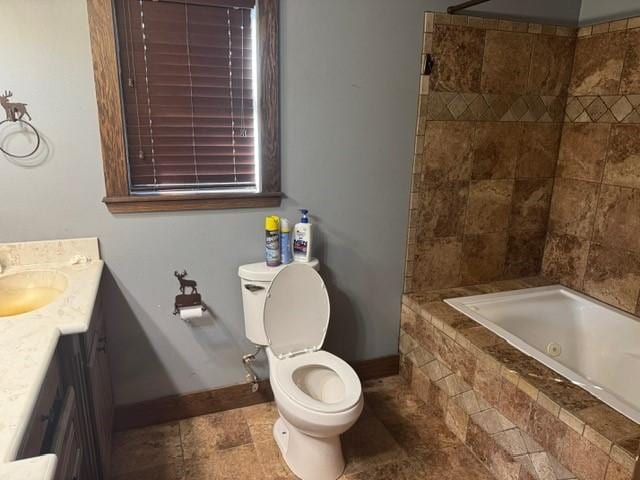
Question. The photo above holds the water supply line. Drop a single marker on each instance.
(247, 362)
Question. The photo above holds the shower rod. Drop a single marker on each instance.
(461, 6)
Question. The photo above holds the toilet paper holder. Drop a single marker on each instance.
(185, 300)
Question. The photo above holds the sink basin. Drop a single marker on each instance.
(27, 291)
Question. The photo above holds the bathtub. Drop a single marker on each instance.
(594, 345)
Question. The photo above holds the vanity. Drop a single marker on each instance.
(56, 402)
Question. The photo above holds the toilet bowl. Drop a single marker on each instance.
(318, 395)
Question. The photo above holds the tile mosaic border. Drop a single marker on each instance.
(469, 347)
(437, 18)
(447, 106)
(603, 109)
(607, 27)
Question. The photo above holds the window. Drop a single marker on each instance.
(188, 102)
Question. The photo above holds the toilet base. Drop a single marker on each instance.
(309, 458)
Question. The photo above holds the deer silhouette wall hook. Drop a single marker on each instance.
(14, 110)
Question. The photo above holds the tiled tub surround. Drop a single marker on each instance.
(593, 243)
(488, 133)
(520, 418)
(527, 161)
(28, 341)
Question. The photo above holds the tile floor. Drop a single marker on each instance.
(397, 437)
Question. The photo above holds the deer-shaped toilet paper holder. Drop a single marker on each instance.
(185, 300)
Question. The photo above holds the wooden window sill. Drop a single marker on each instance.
(177, 203)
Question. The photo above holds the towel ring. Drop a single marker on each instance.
(34, 131)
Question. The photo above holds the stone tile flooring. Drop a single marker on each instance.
(397, 437)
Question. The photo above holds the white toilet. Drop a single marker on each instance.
(318, 395)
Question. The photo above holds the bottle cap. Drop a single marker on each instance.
(305, 218)
(285, 226)
(272, 223)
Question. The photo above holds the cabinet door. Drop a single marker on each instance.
(66, 441)
(99, 379)
(75, 374)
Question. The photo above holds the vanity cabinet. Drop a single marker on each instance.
(73, 417)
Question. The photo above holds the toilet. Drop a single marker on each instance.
(318, 395)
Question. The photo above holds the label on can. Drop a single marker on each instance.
(272, 250)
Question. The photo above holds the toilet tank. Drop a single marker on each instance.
(255, 280)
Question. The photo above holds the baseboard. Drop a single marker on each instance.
(178, 407)
(377, 367)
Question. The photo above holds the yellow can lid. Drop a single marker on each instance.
(272, 223)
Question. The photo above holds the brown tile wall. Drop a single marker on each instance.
(593, 242)
(489, 125)
(511, 176)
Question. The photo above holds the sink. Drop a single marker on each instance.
(27, 291)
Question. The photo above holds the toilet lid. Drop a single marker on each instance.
(296, 311)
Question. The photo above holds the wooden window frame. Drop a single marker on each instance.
(112, 127)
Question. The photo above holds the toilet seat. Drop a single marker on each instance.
(285, 369)
(296, 311)
(296, 316)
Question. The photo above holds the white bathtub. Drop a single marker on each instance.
(592, 344)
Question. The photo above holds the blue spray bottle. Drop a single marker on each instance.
(285, 241)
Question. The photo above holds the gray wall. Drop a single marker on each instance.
(594, 11)
(559, 12)
(349, 87)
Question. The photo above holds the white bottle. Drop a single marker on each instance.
(302, 239)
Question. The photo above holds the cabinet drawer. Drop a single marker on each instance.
(45, 413)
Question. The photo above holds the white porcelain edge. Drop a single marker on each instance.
(28, 341)
(39, 467)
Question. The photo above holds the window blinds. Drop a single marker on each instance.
(187, 77)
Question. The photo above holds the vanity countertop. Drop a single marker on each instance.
(28, 341)
(40, 468)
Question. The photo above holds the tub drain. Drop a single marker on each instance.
(554, 349)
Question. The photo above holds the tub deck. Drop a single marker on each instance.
(559, 414)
